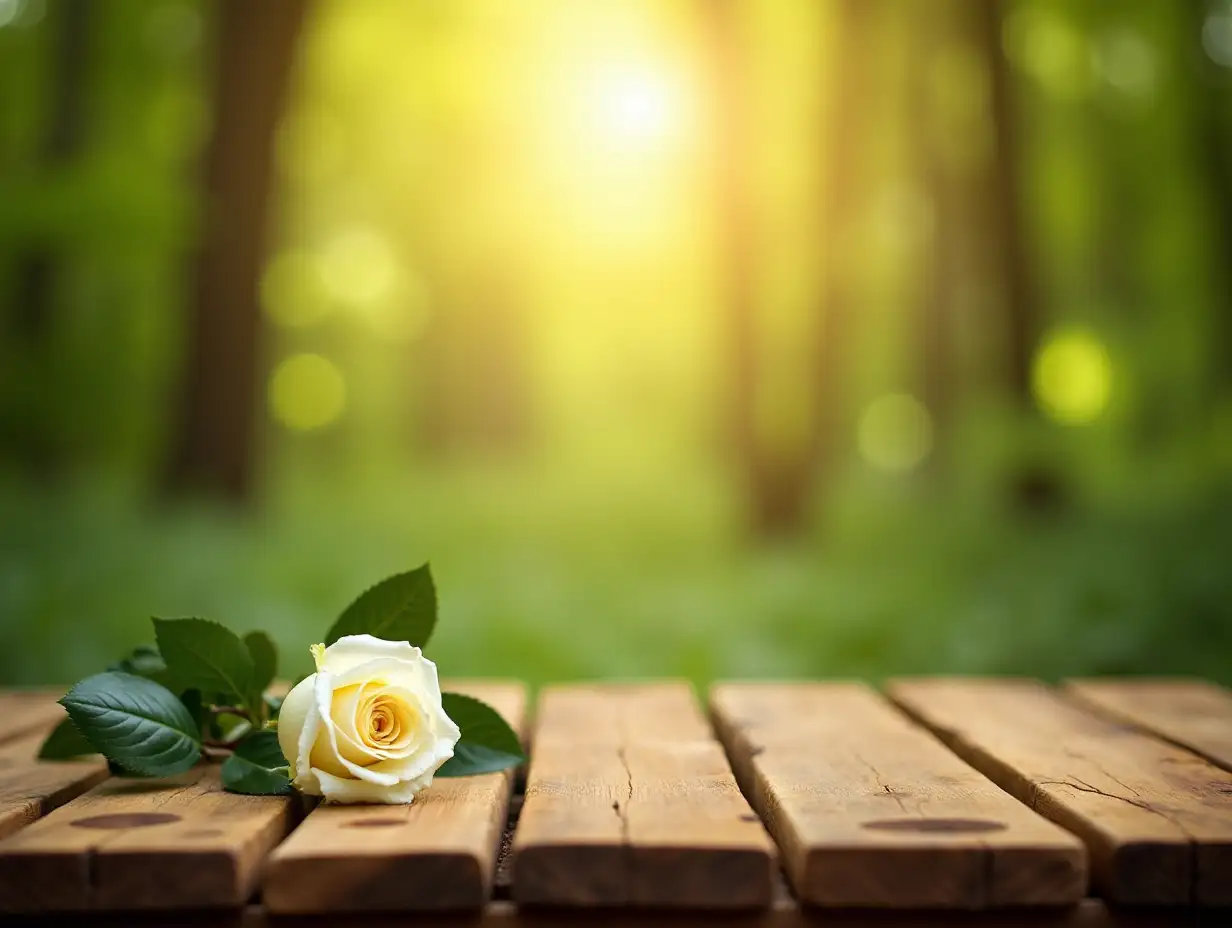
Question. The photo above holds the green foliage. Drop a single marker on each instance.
(65, 742)
(487, 744)
(135, 723)
(400, 608)
(204, 655)
(144, 661)
(257, 767)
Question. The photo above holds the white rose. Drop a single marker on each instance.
(368, 726)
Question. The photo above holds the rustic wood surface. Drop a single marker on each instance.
(630, 800)
(139, 844)
(29, 789)
(1157, 819)
(1192, 713)
(25, 711)
(632, 777)
(437, 853)
(869, 810)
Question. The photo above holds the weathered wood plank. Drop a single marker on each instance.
(30, 788)
(26, 711)
(179, 843)
(870, 811)
(1157, 819)
(619, 714)
(630, 801)
(1192, 713)
(437, 853)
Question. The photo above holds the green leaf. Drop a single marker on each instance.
(204, 655)
(264, 657)
(488, 743)
(400, 608)
(257, 767)
(65, 742)
(134, 722)
(144, 661)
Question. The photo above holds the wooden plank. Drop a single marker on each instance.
(26, 711)
(437, 853)
(870, 811)
(1157, 819)
(630, 801)
(617, 714)
(1192, 713)
(144, 844)
(30, 788)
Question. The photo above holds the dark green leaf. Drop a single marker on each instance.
(144, 661)
(257, 767)
(264, 663)
(488, 743)
(135, 722)
(65, 742)
(204, 655)
(400, 608)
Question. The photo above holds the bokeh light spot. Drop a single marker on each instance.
(1046, 45)
(8, 11)
(359, 267)
(1072, 376)
(292, 291)
(1126, 62)
(306, 392)
(1217, 36)
(895, 432)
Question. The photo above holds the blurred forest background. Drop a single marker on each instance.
(702, 337)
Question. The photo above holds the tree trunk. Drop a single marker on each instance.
(736, 233)
(942, 262)
(37, 270)
(214, 448)
(1007, 228)
(1211, 95)
(847, 125)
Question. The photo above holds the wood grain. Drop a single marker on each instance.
(26, 711)
(871, 811)
(630, 801)
(1156, 819)
(1192, 713)
(438, 853)
(178, 843)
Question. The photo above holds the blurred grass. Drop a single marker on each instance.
(544, 580)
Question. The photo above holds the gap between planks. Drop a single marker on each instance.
(1194, 714)
(871, 811)
(1157, 820)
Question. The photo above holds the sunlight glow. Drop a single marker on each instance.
(895, 432)
(636, 106)
(306, 392)
(1072, 377)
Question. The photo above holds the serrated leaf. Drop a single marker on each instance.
(264, 655)
(65, 742)
(399, 608)
(487, 744)
(134, 722)
(204, 655)
(257, 767)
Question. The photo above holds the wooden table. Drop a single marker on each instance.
(936, 802)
